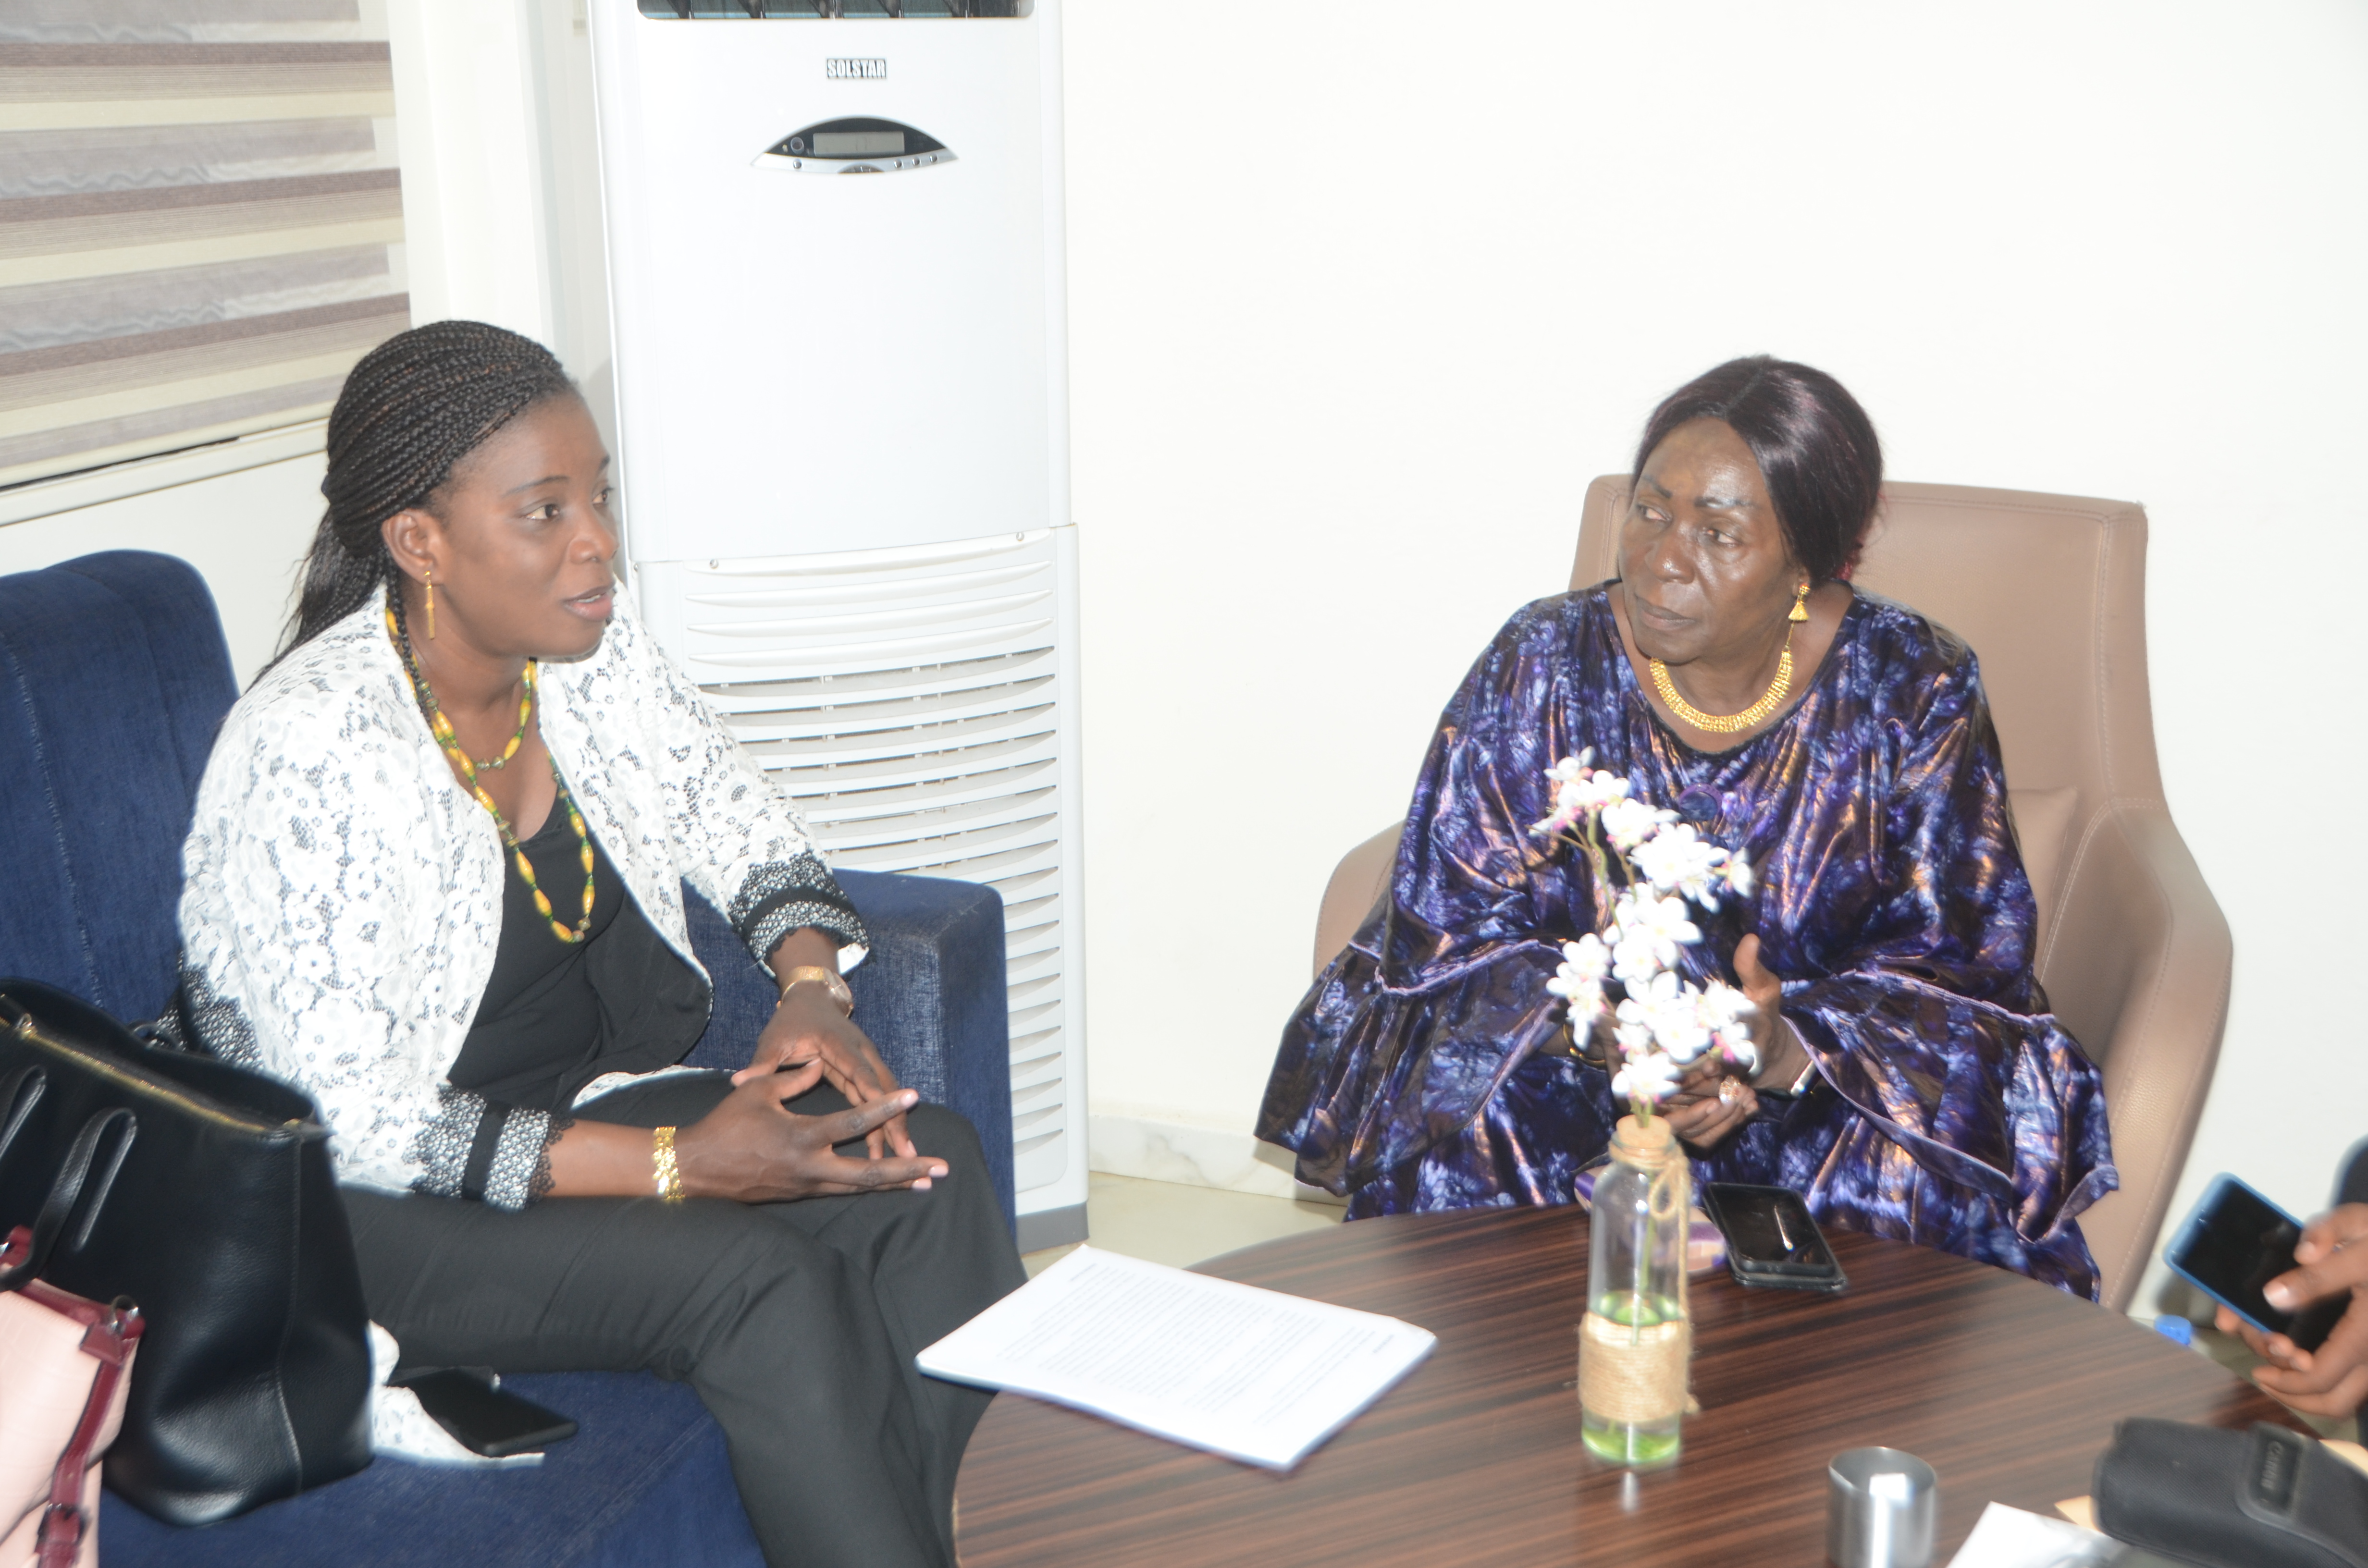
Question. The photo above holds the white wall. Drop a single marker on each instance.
(1364, 291)
(501, 181)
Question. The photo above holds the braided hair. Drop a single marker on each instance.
(410, 410)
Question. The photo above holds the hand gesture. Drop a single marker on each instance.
(2333, 1259)
(752, 1148)
(1709, 1103)
(1783, 1057)
(808, 1029)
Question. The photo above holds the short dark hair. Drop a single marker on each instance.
(1816, 446)
(410, 410)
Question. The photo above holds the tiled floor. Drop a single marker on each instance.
(1169, 1222)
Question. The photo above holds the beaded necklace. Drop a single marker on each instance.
(446, 738)
(526, 707)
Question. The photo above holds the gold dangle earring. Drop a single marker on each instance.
(429, 573)
(1799, 605)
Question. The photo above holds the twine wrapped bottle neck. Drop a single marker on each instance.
(1647, 1145)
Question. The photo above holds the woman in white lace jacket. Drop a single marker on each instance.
(344, 894)
(434, 880)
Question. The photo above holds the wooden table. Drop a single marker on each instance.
(2009, 1390)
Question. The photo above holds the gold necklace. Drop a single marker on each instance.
(1728, 723)
(442, 728)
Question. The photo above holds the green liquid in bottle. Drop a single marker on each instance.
(1635, 1445)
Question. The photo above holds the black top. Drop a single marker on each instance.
(557, 1015)
(539, 1016)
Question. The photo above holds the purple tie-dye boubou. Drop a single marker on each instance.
(1429, 1067)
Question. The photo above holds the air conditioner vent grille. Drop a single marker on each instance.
(911, 701)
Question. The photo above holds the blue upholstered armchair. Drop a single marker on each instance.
(114, 677)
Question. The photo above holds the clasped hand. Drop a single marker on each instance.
(752, 1147)
(2333, 1258)
(808, 1028)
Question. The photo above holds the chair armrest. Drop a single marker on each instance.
(930, 995)
(2138, 968)
(1359, 884)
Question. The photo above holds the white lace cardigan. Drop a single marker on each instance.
(343, 900)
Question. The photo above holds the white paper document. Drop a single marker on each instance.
(2009, 1538)
(1252, 1374)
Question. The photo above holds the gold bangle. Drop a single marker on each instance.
(662, 1158)
(829, 980)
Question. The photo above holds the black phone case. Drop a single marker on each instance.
(1827, 1278)
(485, 1420)
(2267, 1498)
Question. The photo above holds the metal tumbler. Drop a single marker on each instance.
(1882, 1508)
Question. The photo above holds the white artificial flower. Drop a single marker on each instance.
(1579, 791)
(1597, 791)
(1571, 769)
(1579, 981)
(1588, 957)
(1668, 1011)
(1628, 823)
(1663, 922)
(1662, 859)
(1725, 1012)
(1645, 1076)
(1560, 820)
(1677, 859)
(1737, 872)
(1664, 1023)
(1636, 959)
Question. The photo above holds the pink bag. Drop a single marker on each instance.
(65, 1366)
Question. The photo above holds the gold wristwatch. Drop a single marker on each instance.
(828, 980)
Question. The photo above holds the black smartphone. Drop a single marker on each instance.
(487, 1420)
(1771, 1239)
(2234, 1243)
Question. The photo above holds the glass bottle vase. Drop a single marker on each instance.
(1635, 1341)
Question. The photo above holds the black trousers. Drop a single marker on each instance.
(797, 1322)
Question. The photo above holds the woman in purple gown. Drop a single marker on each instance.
(1912, 1082)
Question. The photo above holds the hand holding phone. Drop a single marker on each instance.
(2330, 1379)
(2234, 1242)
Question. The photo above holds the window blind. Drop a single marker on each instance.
(200, 221)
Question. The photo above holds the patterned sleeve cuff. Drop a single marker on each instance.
(488, 1153)
(444, 1145)
(519, 1169)
(205, 1022)
(782, 896)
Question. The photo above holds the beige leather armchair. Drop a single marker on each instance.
(2051, 592)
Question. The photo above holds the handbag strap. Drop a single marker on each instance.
(111, 1340)
(24, 1091)
(66, 1191)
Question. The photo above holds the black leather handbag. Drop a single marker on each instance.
(2267, 1498)
(210, 1201)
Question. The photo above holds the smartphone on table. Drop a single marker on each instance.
(1771, 1242)
(484, 1417)
(2234, 1243)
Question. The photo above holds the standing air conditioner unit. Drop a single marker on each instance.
(834, 252)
